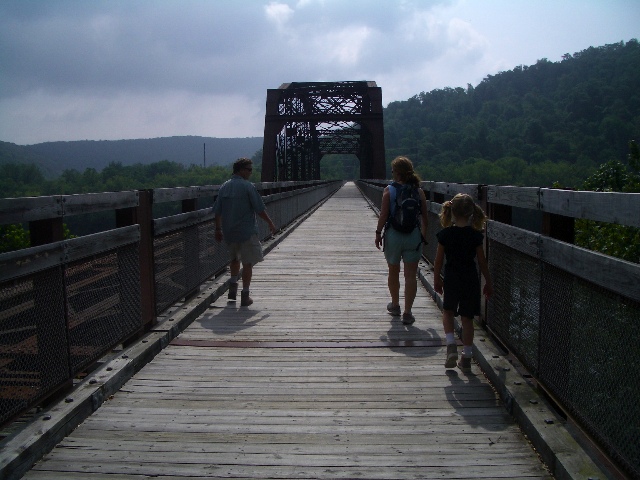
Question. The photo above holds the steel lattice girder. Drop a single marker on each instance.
(304, 121)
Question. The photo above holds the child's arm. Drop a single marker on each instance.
(484, 268)
(437, 268)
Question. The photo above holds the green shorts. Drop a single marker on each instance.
(402, 246)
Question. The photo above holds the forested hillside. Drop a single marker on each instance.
(530, 126)
(55, 157)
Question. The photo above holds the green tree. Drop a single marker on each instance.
(13, 237)
(616, 240)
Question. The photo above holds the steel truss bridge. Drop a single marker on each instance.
(305, 121)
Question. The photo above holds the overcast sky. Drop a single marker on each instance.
(119, 69)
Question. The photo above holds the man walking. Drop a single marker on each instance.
(235, 214)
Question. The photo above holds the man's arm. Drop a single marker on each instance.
(218, 219)
(265, 216)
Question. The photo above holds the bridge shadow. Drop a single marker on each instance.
(463, 396)
(401, 336)
(230, 318)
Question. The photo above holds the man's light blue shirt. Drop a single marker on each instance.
(238, 203)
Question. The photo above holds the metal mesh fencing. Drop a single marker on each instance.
(514, 309)
(588, 338)
(176, 257)
(212, 255)
(103, 303)
(32, 329)
(578, 340)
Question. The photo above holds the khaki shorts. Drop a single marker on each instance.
(249, 252)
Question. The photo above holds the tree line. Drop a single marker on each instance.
(539, 125)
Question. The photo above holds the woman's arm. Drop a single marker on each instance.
(382, 219)
(424, 214)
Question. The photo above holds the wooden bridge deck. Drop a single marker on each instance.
(314, 380)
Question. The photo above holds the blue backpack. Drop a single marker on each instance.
(404, 215)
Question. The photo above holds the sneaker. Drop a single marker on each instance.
(407, 318)
(452, 356)
(465, 364)
(393, 309)
(233, 291)
(245, 299)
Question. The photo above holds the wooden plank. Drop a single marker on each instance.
(608, 272)
(517, 238)
(452, 189)
(609, 207)
(28, 209)
(183, 220)
(82, 247)
(98, 202)
(27, 261)
(161, 195)
(522, 197)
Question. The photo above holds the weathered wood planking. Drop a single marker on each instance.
(295, 410)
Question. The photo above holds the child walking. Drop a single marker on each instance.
(460, 242)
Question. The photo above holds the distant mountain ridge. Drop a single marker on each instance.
(55, 157)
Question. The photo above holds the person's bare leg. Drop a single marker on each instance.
(410, 285)
(393, 282)
(467, 344)
(452, 348)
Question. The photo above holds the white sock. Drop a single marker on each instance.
(467, 351)
(450, 338)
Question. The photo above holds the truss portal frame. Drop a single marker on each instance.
(305, 121)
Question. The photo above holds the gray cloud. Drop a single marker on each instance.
(120, 69)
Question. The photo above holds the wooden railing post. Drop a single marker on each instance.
(559, 227)
(45, 231)
(143, 216)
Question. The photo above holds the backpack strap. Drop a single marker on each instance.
(393, 193)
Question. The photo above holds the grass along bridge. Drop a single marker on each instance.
(314, 380)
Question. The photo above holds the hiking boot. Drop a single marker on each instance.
(245, 299)
(407, 318)
(465, 364)
(452, 356)
(233, 291)
(393, 309)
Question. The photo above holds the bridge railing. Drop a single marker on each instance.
(65, 303)
(571, 316)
